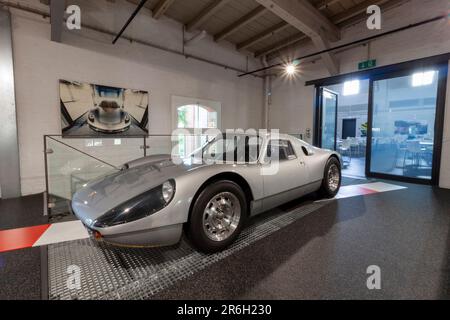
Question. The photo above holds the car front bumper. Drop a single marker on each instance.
(162, 236)
(155, 230)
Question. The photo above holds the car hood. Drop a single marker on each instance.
(106, 193)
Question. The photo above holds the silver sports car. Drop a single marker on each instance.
(210, 194)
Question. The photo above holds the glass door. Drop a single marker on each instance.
(402, 118)
(328, 123)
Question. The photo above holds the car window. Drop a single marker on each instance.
(239, 148)
(281, 149)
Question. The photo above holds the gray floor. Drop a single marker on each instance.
(323, 255)
(22, 212)
(20, 275)
(20, 271)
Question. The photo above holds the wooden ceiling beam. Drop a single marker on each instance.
(243, 21)
(354, 15)
(307, 19)
(161, 7)
(262, 35)
(205, 14)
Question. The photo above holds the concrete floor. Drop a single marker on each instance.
(20, 271)
(323, 255)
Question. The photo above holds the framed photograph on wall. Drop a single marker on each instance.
(98, 110)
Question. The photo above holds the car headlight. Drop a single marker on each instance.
(167, 191)
(138, 207)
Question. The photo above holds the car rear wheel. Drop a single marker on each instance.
(217, 217)
(331, 182)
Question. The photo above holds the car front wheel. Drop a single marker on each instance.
(217, 217)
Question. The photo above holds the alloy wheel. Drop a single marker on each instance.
(221, 216)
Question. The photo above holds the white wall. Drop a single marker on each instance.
(292, 109)
(88, 56)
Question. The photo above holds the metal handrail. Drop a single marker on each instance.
(85, 153)
(97, 137)
(119, 136)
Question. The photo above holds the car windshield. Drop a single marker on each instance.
(231, 147)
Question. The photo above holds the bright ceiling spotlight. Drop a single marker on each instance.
(291, 68)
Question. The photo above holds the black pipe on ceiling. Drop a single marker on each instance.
(45, 15)
(414, 25)
(133, 15)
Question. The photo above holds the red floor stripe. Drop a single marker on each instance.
(367, 190)
(354, 190)
(21, 238)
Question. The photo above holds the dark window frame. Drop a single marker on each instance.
(438, 62)
(290, 147)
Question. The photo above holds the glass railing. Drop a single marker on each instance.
(72, 162)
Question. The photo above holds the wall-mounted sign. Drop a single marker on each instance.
(367, 64)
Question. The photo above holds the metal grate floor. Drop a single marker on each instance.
(109, 272)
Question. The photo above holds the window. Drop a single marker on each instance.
(403, 123)
(423, 78)
(281, 149)
(238, 148)
(196, 116)
(351, 87)
(190, 115)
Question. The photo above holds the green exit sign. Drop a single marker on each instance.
(367, 64)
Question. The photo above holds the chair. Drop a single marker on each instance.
(400, 151)
(355, 145)
(345, 149)
(414, 152)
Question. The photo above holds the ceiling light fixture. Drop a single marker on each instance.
(291, 68)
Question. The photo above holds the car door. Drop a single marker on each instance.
(284, 174)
